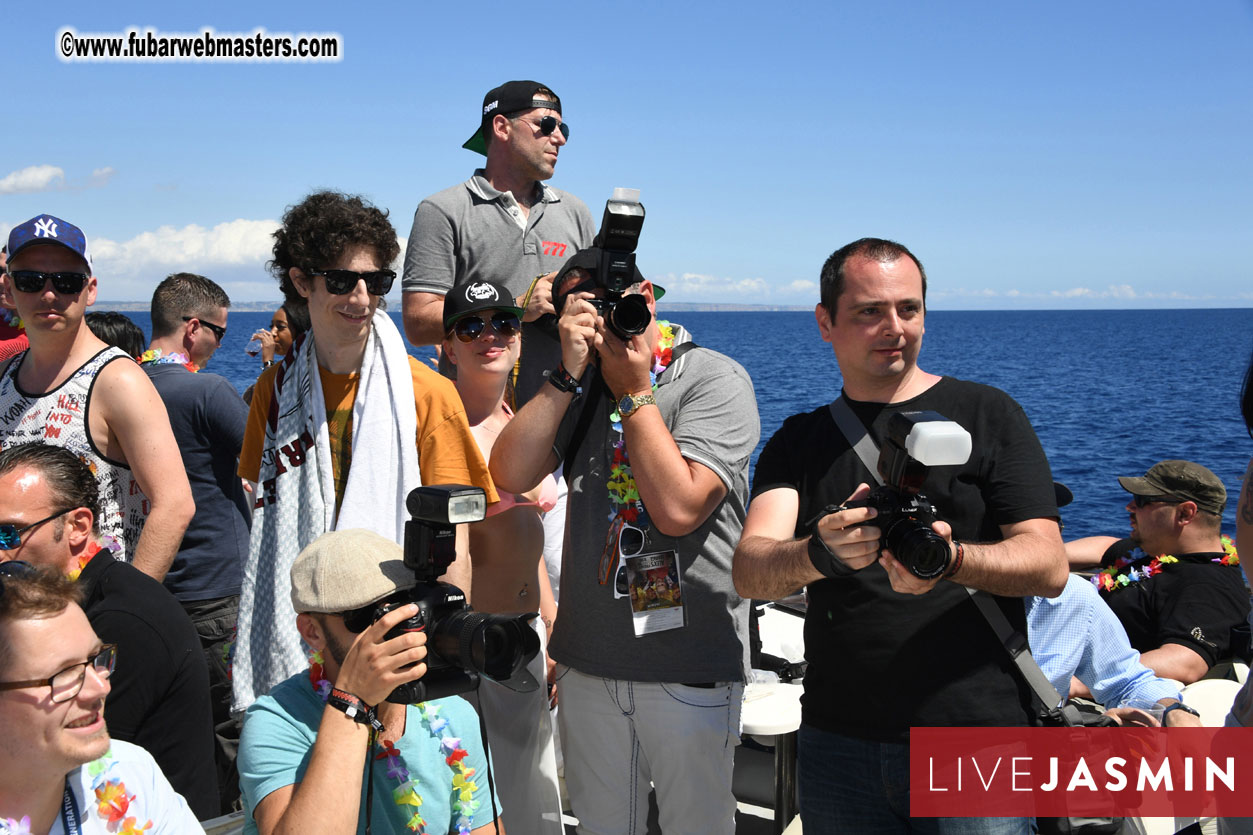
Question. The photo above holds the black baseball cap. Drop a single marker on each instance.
(510, 97)
(475, 296)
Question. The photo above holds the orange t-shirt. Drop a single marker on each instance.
(447, 452)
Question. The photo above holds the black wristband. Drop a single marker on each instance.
(825, 561)
(355, 709)
(1178, 706)
(563, 381)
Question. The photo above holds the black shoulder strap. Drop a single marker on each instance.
(1013, 640)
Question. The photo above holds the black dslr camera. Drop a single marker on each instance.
(626, 316)
(915, 441)
(462, 644)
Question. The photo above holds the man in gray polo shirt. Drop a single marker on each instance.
(651, 637)
(502, 225)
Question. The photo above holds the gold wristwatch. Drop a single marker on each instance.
(631, 403)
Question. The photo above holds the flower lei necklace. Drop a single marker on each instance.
(112, 803)
(624, 496)
(158, 357)
(406, 791)
(1126, 570)
(10, 318)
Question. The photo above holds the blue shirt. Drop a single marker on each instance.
(281, 727)
(1077, 634)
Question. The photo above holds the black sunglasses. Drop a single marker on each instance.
(1144, 501)
(471, 328)
(33, 281)
(548, 124)
(343, 282)
(11, 535)
(15, 568)
(218, 330)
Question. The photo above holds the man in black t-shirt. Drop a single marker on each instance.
(160, 688)
(887, 650)
(1182, 592)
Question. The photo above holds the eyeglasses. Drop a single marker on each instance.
(33, 281)
(11, 535)
(66, 684)
(548, 124)
(1145, 501)
(343, 282)
(471, 328)
(218, 330)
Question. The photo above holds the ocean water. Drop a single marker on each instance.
(1110, 393)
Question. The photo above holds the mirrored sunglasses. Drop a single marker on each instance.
(470, 328)
(343, 282)
(1144, 501)
(11, 535)
(33, 281)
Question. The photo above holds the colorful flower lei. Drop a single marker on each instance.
(624, 495)
(1127, 570)
(406, 792)
(112, 803)
(158, 357)
(10, 318)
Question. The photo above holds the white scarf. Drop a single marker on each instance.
(297, 490)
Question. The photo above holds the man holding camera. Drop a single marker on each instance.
(651, 638)
(888, 650)
(325, 751)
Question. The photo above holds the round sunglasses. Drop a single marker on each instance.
(548, 124)
(34, 281)
(470, 328)
(343, 282)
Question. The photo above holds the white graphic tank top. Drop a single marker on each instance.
(59, 418)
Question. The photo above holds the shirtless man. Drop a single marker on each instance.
(70, 390)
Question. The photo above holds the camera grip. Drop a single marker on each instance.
(825, 560)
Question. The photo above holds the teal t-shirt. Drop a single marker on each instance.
(277, 744)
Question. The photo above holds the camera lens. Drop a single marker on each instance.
(629, 317)
(493, 645)
(920, 549)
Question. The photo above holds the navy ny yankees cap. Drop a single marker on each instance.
(46, 229)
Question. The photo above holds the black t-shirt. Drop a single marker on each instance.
(159, 697)
(881, 662)
(1194, 602)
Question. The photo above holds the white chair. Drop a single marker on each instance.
(1211, 698)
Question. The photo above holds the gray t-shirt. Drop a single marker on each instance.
(467, 233)
(708, 404)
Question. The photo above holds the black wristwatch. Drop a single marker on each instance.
(1178, 706)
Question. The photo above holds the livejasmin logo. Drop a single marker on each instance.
(1021, 771)
(1085, 772)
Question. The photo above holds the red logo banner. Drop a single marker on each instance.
(1081, 772)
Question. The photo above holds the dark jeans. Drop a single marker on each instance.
(215, 624)
(851, 785)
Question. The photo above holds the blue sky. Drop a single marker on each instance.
(1034, 155)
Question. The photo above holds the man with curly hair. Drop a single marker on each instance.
(342, 429)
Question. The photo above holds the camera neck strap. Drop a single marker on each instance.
(1015, 643)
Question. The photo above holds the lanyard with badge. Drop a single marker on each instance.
(651, 581)
(69, 812)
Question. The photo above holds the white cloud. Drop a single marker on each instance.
(101, 176)
(802, 286)
(34, 178)
(195, 248)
